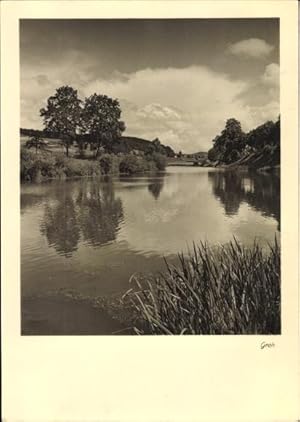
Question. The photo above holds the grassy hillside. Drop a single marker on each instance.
(129, 143)
(124, 145)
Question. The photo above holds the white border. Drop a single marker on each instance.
(147, 378)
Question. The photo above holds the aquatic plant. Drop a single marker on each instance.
(229, 289)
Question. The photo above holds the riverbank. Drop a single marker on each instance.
(243, 167)
(43, 166)
(258, 161)
(228, 289)
(265, 160)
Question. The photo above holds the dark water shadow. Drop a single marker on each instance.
(155, 186)
(260, 191)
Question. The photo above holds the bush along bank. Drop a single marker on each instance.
(41, 166)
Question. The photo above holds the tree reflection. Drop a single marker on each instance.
(60, 226)
(99, 213)
(265, 195)
(29, 200)
(89, 211)
(260, 191)
(228, 188)
(155, 186)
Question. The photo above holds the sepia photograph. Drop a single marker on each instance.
(150, 210)
(150, 176)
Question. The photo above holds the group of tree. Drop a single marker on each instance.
(232, 144)
(94, 123)
(67, 115)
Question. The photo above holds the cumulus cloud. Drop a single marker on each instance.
(271, 74)
(185, 108)
(251, 48)
(269, 111)
(157, 111)
(263, 91)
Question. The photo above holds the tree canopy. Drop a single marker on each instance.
(95, 122)
(101, 120)
(232, 143)
(63, 114)
(229, 144)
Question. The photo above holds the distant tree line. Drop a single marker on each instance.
(36, 132)
(95, 123)
(232, 144)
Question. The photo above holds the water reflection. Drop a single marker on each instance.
(88, 211)
(228, 188)
(60, 226)
(155, 186)
(109, 229)
(29, 200)
(99, 213)
(260, 191)
(155, 214)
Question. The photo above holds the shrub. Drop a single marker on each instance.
(44, 165)
(159, 160)
(74, 168)
(30, 165)
(48, 166)
(36, 167)
(109, 164)
(228, 290)
(132, 164)
(60, 159)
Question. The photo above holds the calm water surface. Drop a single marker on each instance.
(91, 236)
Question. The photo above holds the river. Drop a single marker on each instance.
(89, 236)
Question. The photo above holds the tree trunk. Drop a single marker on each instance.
(67, 150)
(98, 149)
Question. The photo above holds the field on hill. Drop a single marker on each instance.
(124, 145)
(55, 145)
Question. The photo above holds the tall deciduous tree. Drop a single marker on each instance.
(101, 120)
(62, 115)
(265, 134)
(229, 144)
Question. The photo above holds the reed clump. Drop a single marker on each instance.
(229, 289)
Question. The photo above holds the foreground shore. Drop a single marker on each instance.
(228, 289)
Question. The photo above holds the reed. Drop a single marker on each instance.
(229, 289)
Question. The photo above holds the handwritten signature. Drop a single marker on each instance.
(265, 345)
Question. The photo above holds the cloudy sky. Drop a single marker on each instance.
(178, 80)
